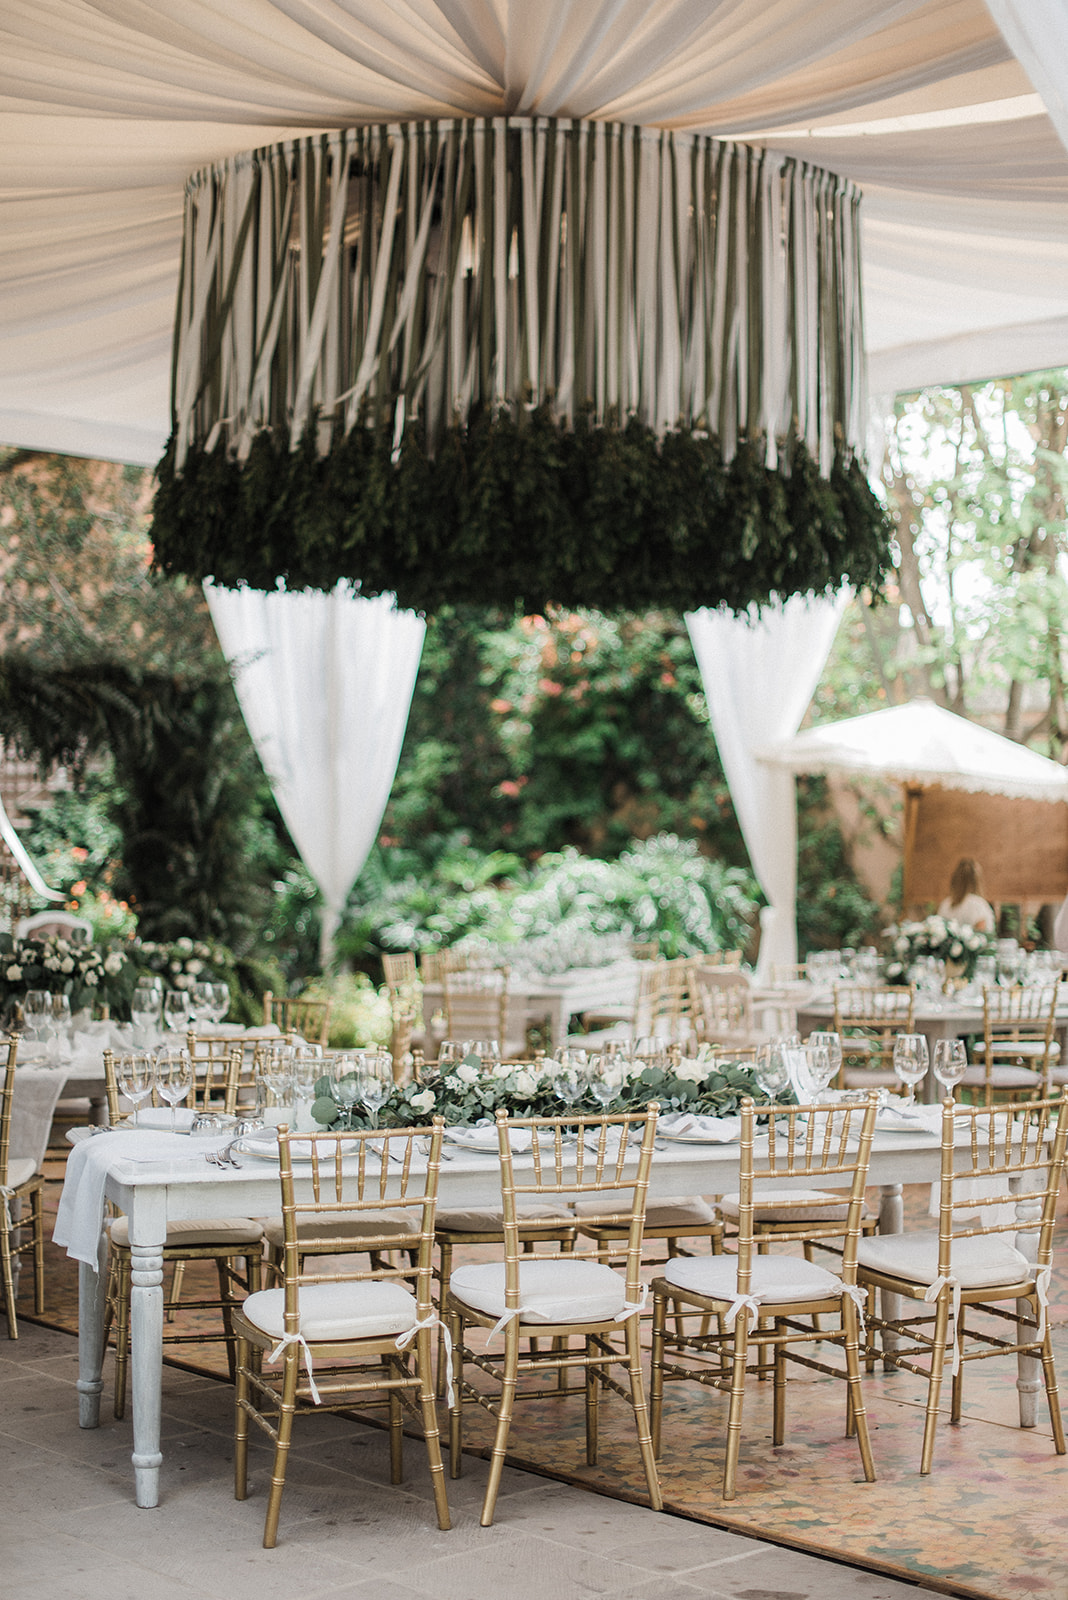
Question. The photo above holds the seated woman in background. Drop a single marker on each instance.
(964, 902)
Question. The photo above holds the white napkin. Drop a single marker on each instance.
(484, 1137)
(909, 1119)
(701, 1129)
(80, 1217)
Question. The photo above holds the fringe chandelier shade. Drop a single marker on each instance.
(546, 280)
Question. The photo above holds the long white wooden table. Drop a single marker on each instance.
(150, 1196)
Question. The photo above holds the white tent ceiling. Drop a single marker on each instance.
(106, 107)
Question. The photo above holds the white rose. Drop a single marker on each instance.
(66, 965)
(183, 982)
(423, 1101)
(453, 1083)
(62, 945)
(956, 949)
(184, 944)
(691, 1071)
(525, 1083)
(91, 979)
(194, 967)
(13, 974)
(466, 1073)
(51, 963)
(114, 963)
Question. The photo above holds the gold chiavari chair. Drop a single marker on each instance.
(406, 1009)
(973, 1262)
(20, 1180)
(297, 1014)
(1014, 1058)
(760, 1297)
(867, 1019)
(475, 1002)
(360, 1333)
(723, 1006)
(224, 1240)
(527, 1297)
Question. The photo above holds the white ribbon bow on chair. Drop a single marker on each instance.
(859, 1297)
(298, 1338)
(404, 1340)
(751, 1304)
(931, 1295)
(1042, 1277)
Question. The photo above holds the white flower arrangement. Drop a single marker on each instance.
(936, 936)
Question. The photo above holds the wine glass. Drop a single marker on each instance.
(59, 1021)
(770, 1070)
(202, 998)
(176, 1009)
(910, 1062)
(488, 1052)
(605, 1079)
(813, 1070)
(832, 1043)
(136, 1075)
(174, 1076)
(146, 1006)
(950, 1062)
(220, 1001)
(35, 1010)
(375, 1080)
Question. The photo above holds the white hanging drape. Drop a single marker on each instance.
(1037, 32)
(324, 682)
(759, 675)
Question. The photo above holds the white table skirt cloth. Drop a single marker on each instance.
(151, 1193)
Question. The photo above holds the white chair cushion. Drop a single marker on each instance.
(193, 1231)
(20, 1171)
(673, 1211)
(474, 1219)
(1002, 1077)
(346, 1226)
(977, 1262)
(773, 1280)
(1017, 1047)
(783, 1205)
(560, 1290)
(331, 1311)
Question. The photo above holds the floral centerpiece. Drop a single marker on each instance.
(89, 974)
(956, 943)
(465, 1093)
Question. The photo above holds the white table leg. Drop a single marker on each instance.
(891, 1220)
(92, 1293)
(148, 1227)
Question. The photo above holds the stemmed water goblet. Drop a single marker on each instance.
(136, 1076)
(35, 1009)
(950, 1062)
(176, 1009)
(174, 1076)
(771, 1071)
(605, 1079)
(146, 1006)
(832, 1043)
(58, 1021)
(375, 1080)
(220, 1001)
(202, 1004)
(910, 1062)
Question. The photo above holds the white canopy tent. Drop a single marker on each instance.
(920, 743)
(950, 114)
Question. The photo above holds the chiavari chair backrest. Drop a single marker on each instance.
(799, 1144)
(476, 1003)
(5, 1109)
(217, 1079)
(576, 1157)
(1017, 1150)
(373, 1174)
(298, 1014)
(873, 1015)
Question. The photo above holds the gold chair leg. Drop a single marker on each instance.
(177, 1279)
(856, 1414)
(241, 1422)
(592, 1406)
(444, 1274)
(281, 1449)
(734, 1414)
(122, 1330)
(934, 1383)
(9, 1276)
(656, 1371)
(37, 1218)
(456, 1452)
(641, 1414)
(778, 1403)
(1049, 1374)
(431, 1433)
(504, 1421)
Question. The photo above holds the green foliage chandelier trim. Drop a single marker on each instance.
(525, 510)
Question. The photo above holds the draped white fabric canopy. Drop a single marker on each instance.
(759, 674)
(945, 111)
(324, 682)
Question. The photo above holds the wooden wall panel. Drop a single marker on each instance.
(1021, 845)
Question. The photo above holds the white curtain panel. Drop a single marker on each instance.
(759, 674)
(1037, 31)
(324, 682)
